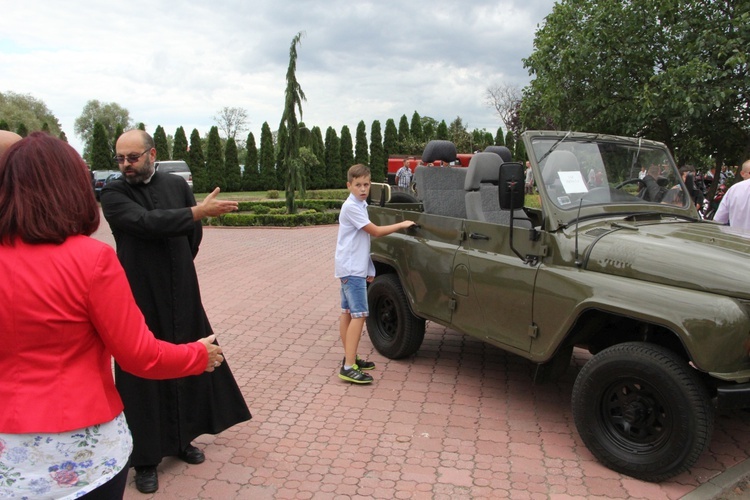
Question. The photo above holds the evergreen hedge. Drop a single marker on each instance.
(273, 213)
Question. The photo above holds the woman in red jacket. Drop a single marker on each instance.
(65, 309)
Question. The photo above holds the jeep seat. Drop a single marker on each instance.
(481, 191)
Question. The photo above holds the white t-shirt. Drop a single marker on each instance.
(735, 206)
(353, 244)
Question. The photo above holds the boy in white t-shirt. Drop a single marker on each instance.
(354, 268)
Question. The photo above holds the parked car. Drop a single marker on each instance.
(112, 177)
(97, 179)
(176, 167)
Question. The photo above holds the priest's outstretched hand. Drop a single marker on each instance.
(211, 206)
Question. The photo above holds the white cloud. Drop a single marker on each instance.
(178, 63)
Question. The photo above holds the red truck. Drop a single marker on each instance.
(397, 161)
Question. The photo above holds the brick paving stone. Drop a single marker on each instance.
(460, 419)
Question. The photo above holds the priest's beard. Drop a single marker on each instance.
(141, 173)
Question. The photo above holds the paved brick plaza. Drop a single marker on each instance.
(459, 420)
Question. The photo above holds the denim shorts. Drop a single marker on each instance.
(354, 296)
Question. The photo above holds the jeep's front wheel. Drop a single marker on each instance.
(394, 331)
(642, 411)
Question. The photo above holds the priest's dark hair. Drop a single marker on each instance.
(45, 192)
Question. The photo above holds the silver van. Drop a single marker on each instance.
(177, 167)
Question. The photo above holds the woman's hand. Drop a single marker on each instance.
(214, 353)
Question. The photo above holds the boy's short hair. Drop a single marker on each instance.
(357, 170)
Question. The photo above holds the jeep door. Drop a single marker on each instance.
(500, 285)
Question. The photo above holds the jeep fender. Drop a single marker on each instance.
(713, 329)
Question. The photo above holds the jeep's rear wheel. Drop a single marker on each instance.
(642, 411)
(394, 331)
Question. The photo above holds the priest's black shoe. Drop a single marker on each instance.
(192, 455)
(146, 479)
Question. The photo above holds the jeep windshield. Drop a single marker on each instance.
(583, 170)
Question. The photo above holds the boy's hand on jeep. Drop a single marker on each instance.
(407, 224)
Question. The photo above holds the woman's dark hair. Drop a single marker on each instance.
(45, 192)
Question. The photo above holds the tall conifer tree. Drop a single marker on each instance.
(161, 144)
(360, 147)
(232, 173)
(267, 159)
(101, 155)
(251, 174)
(332, 159)
(347, 150)
(214, 161)
(294, 179)
(197, 163)
(390, 139)
(378, 166)
(180, 146)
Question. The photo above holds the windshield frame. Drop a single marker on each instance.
(567, 192)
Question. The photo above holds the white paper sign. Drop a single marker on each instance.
(573, 182)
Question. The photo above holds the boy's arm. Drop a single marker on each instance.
(376, 231)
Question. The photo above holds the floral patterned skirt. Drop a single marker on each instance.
(65, 465)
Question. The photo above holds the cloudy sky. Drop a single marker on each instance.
(177, 63)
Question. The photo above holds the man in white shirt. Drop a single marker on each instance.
(735, 206)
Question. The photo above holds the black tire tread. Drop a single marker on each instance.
(676, 372)
(411, 328)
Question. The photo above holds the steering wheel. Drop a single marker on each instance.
(634, 180)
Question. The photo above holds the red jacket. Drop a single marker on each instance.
(65, 310)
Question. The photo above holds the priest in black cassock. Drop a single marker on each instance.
(157, 228)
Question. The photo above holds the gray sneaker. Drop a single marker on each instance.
(355, 375)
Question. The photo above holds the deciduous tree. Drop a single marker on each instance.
(674, 71)
(108, 114)
(231, 121)
(16, 109)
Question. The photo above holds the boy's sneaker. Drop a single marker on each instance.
(361, 363)
(355, 375)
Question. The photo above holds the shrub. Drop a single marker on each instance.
(310, 218)
(273, 194)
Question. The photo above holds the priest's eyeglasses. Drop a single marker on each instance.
(132, 158)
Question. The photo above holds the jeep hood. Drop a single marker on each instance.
(700, 256)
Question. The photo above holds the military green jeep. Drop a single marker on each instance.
(616, 260)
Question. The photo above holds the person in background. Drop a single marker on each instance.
(65, 310)
(529, 179)
(403, 176)
(157, 229)
(734, 208)
(354, 269)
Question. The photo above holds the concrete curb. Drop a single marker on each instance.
(721, 483)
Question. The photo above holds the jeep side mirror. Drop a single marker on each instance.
(510, 188)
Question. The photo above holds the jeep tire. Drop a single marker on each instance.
(394, 331)
(642, 411)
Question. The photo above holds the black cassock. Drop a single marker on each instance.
(157, 241)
